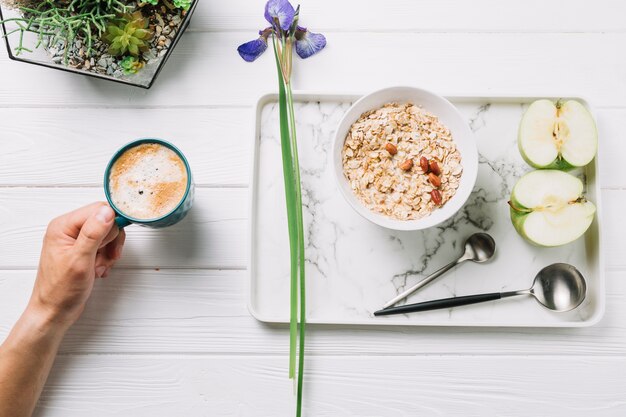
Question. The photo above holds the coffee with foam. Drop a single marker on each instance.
(148, 181)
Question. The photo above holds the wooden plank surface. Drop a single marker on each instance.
(213, 235)
(185, 311)
(422, 16)
(205, 70)
(72, 146)
(69, 146)
(138, 386)
(169, 334)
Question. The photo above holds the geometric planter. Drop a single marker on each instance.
(103, 68)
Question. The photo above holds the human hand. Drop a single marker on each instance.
(78, 247)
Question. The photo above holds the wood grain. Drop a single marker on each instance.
(183, 311)
(113, 385)
(213, 235)
(180, 341)
(423, 15)
(206, 70)
(62, 147)
(71, 147)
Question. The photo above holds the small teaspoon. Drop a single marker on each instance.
(479, 247)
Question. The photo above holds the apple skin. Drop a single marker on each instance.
(520, 213)
(518, 217)
(559, 163)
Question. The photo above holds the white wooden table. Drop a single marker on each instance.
(168, 334)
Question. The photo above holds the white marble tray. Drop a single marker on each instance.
(354, 267)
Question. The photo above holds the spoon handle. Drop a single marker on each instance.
(441, 303)
(422, 283)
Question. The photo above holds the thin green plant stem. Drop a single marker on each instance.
(298, 283)
(288, 177)
(301, 260)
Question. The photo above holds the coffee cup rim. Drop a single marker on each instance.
(132, 144)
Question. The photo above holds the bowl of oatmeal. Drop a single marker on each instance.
(405, 158)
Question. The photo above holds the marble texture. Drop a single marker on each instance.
(354, 267)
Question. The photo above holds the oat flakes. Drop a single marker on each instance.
(378, 173)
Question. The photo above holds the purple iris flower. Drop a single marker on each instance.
(280, 10)
(308, 43)
(250, 51)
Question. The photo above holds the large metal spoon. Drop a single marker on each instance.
(558, 287)
(479, 247)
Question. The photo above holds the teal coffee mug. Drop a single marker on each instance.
(164, 219)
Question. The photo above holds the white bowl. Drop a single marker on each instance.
(448, 115)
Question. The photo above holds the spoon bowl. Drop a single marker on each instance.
(559, 287)
(479, 247)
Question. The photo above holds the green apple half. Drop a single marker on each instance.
(548, 209)
(557, 136)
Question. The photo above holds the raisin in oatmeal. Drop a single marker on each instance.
(401, 161)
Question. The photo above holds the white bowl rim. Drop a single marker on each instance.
(466, 145)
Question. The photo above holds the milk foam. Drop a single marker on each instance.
(147, 181)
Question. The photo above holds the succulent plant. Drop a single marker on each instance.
(65, 20)
(183, 4)
(129, 35)
(130, 65)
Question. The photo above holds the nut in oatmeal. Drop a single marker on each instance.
(406, 165)
(382, 177)
(391, 148)
(434, 179)
(434, 167)
(436, 197)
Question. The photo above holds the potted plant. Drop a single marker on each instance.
(120, 40)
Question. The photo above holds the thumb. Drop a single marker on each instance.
(95, 230)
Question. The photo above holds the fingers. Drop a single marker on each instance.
(95, 234)
(94, 230)
(109, 254)
(103, 263)
(72, 222)
(114, 249)
(101, 270)
(113, 233)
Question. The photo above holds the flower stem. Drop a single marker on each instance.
(293, 194)
(291, 198)
(301, 260)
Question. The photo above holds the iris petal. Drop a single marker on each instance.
(250, 51)
(309, 43)
(282, 10)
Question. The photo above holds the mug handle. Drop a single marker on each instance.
(121, 222)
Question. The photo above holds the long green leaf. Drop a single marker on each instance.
(290, 198)
(301, 257)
